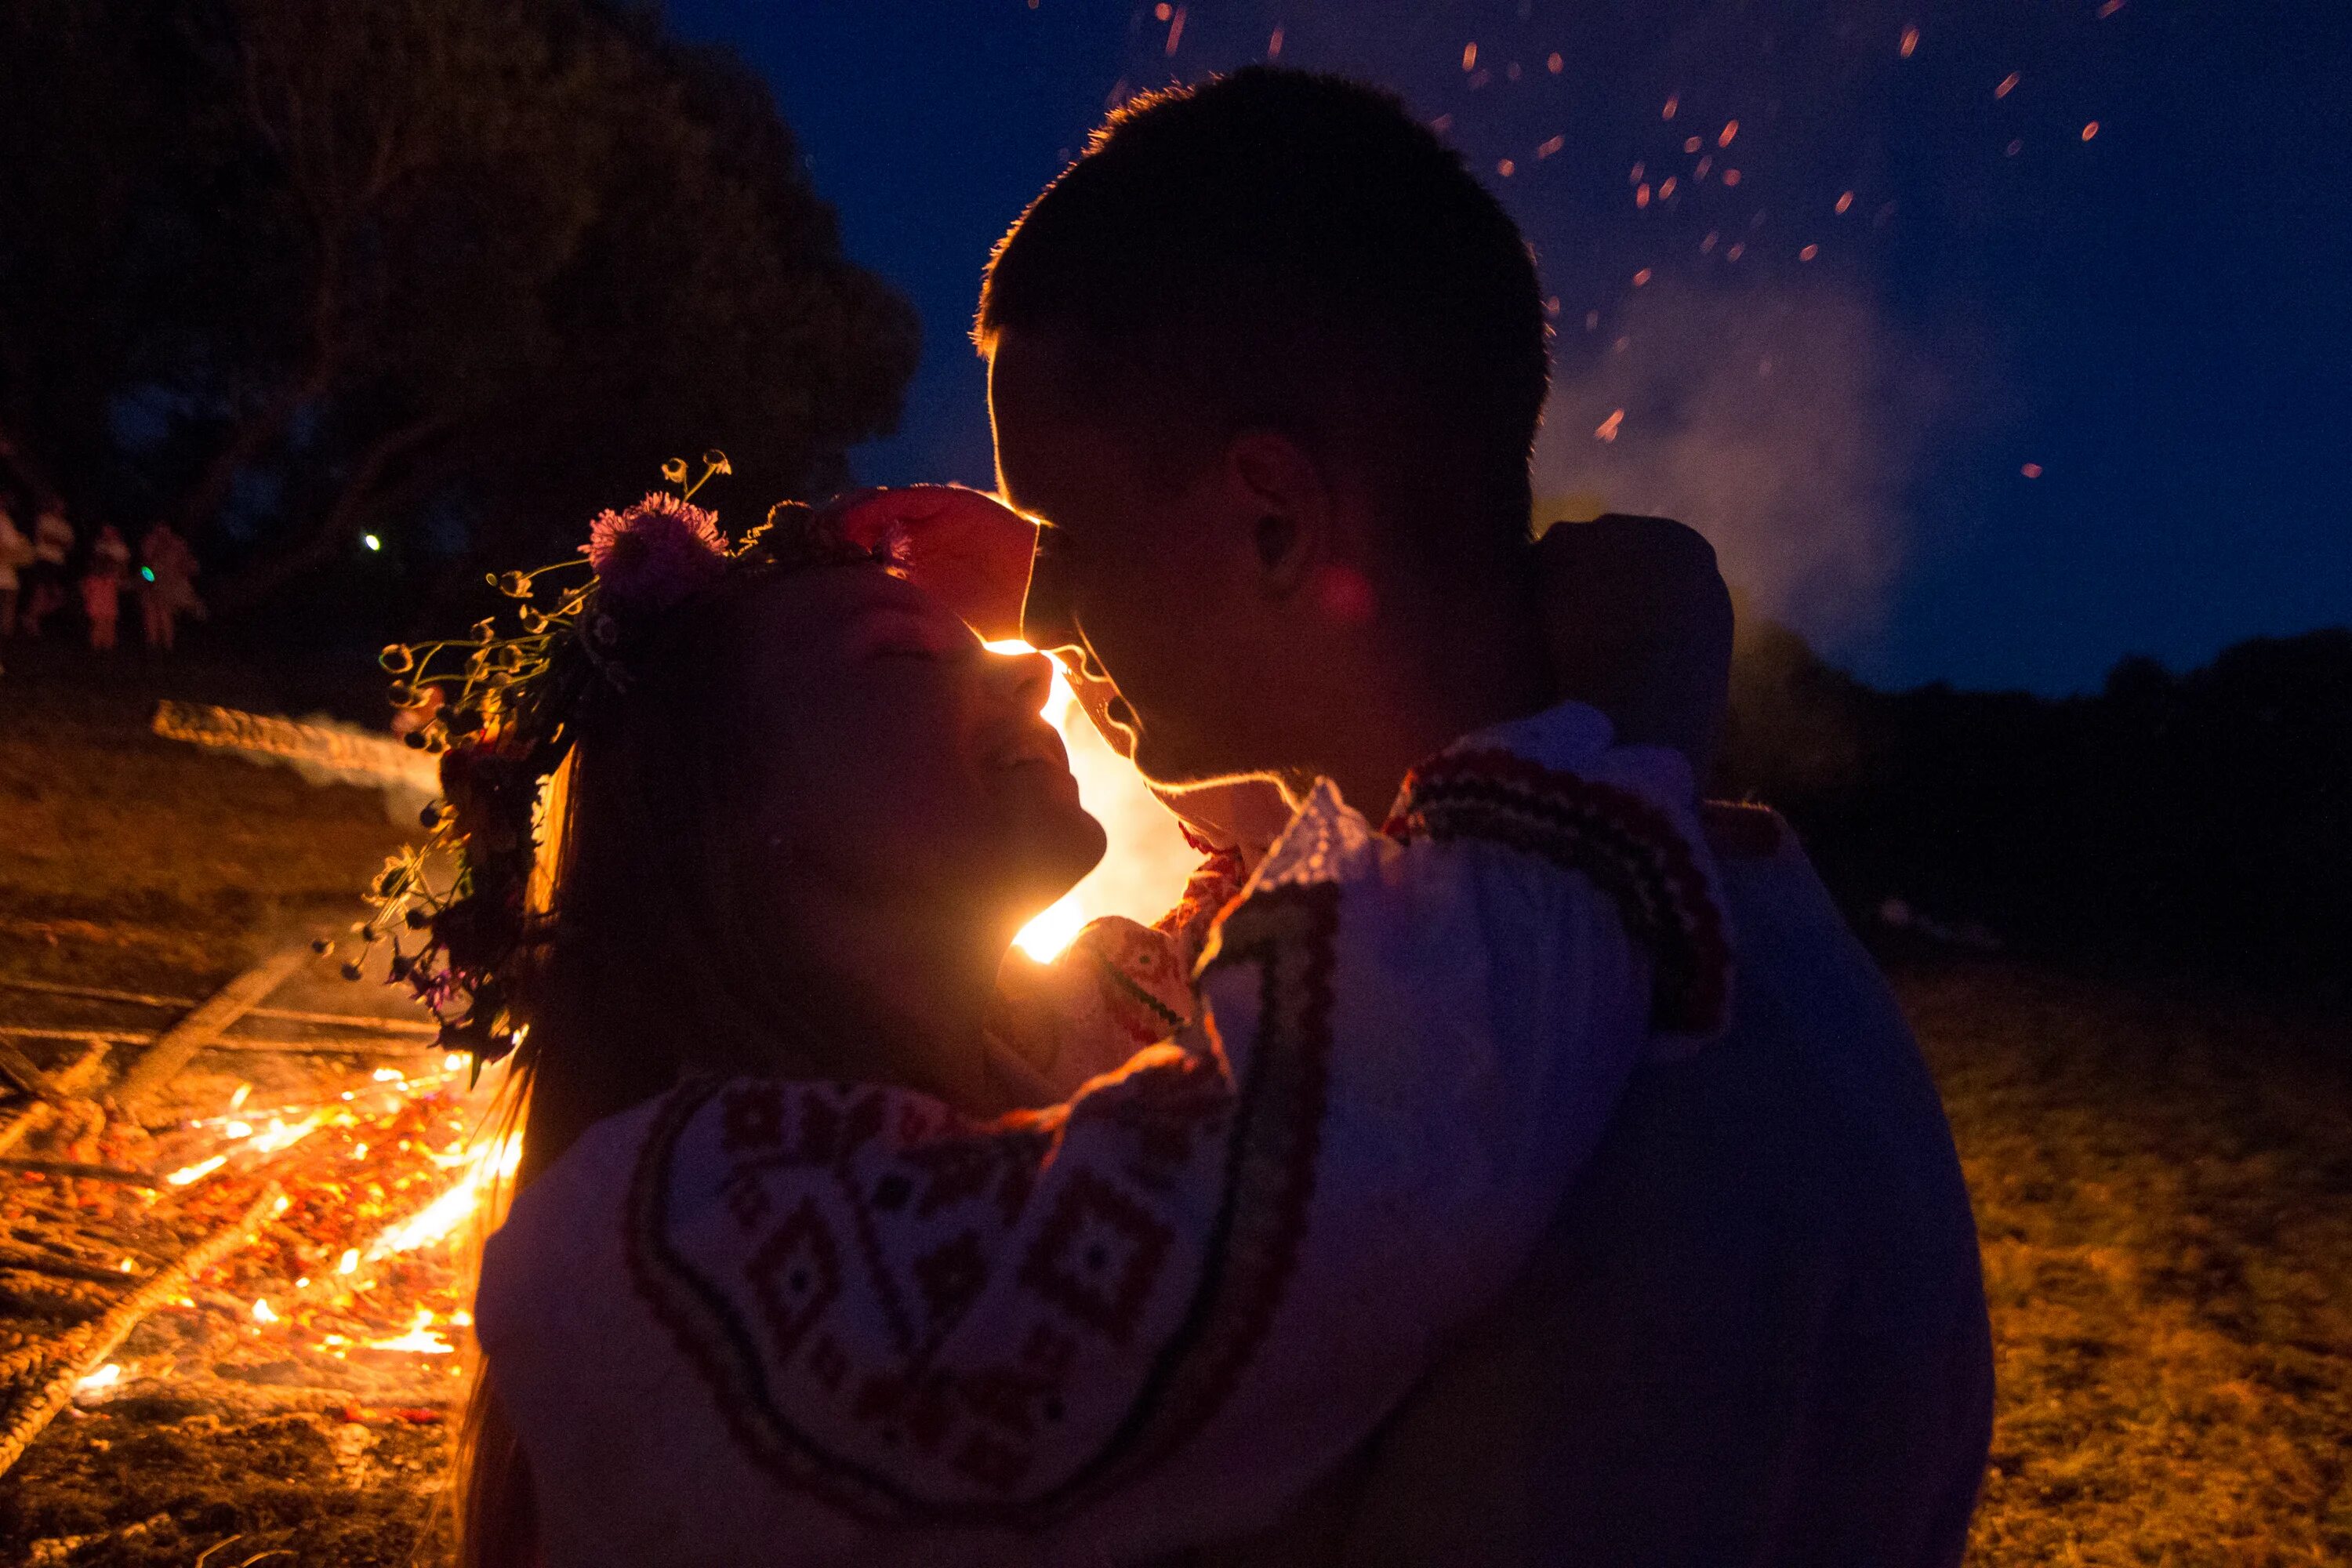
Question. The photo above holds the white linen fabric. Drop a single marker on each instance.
(761, 1322)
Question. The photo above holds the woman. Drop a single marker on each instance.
(102, 585)
(777, 1288)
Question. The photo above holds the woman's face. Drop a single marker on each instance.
(900, 763)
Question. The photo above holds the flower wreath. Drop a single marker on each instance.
(503, 711)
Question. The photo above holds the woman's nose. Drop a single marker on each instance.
(1026, 680)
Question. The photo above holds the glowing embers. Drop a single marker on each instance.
(98, 1382)
(485, 1162)
(188, 1175)
(422, 1338)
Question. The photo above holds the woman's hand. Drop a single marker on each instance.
(1638, 623)
(964, 547)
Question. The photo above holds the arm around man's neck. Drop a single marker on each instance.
(1638, 623)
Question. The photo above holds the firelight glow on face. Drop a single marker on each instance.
(1143, 871)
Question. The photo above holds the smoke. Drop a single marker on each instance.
(1785, 423)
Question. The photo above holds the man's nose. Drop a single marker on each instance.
(1045, 621)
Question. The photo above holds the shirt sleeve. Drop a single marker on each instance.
(1156, 1315)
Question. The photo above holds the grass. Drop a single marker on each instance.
(2164, 1185)
(129, 860)
(2164, 1190)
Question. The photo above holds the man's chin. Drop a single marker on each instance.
(1175, 768)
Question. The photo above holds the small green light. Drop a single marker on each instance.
(372, 541)
(148, 573)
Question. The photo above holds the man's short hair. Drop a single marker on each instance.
(1279, 249)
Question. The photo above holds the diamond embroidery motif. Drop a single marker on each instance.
(753, 1115)
(950, 1276)
(794, 1276)
(1098, 1256)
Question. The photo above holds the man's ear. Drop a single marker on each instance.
(1280, 489)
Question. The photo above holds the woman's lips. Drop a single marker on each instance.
(1038, 753)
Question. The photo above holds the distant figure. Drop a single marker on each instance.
(171, 584)
(16, 552)
(101, 584)
(44, 581)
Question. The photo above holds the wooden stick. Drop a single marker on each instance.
(84, 1347)
(103, 1037)
(73, 1078)
(76, 1168)
(18, 1068)
(200, 1028)
(237, 1045)
(96, 992)
(35, 1261)
(286, 1014)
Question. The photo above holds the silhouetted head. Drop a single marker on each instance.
(1267, 361)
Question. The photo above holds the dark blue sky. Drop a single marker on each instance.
(2156, 317)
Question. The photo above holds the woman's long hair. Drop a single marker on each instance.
(644, 963)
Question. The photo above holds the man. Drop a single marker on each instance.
(1266, 365)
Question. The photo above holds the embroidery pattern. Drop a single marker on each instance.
(1214, 883)
(1627, 846)
(867, 1226)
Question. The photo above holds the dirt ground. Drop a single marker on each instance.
(2164, 1185)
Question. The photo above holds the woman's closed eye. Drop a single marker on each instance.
(896, 634)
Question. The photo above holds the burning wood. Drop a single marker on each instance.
(79, 1352)
(304, 1233)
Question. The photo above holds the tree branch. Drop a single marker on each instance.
(341, 525)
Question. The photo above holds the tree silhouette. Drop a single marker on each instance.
(284, 273)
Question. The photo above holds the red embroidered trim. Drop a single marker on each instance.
(1629, 848)
(738, 1335)
(1208, 891)
(1291, 934)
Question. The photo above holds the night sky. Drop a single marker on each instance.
(2068, 377)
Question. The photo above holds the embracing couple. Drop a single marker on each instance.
(1498, 1157)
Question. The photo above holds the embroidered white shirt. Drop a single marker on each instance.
(760, 1321)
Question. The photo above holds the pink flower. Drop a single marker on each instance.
(655, 554)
